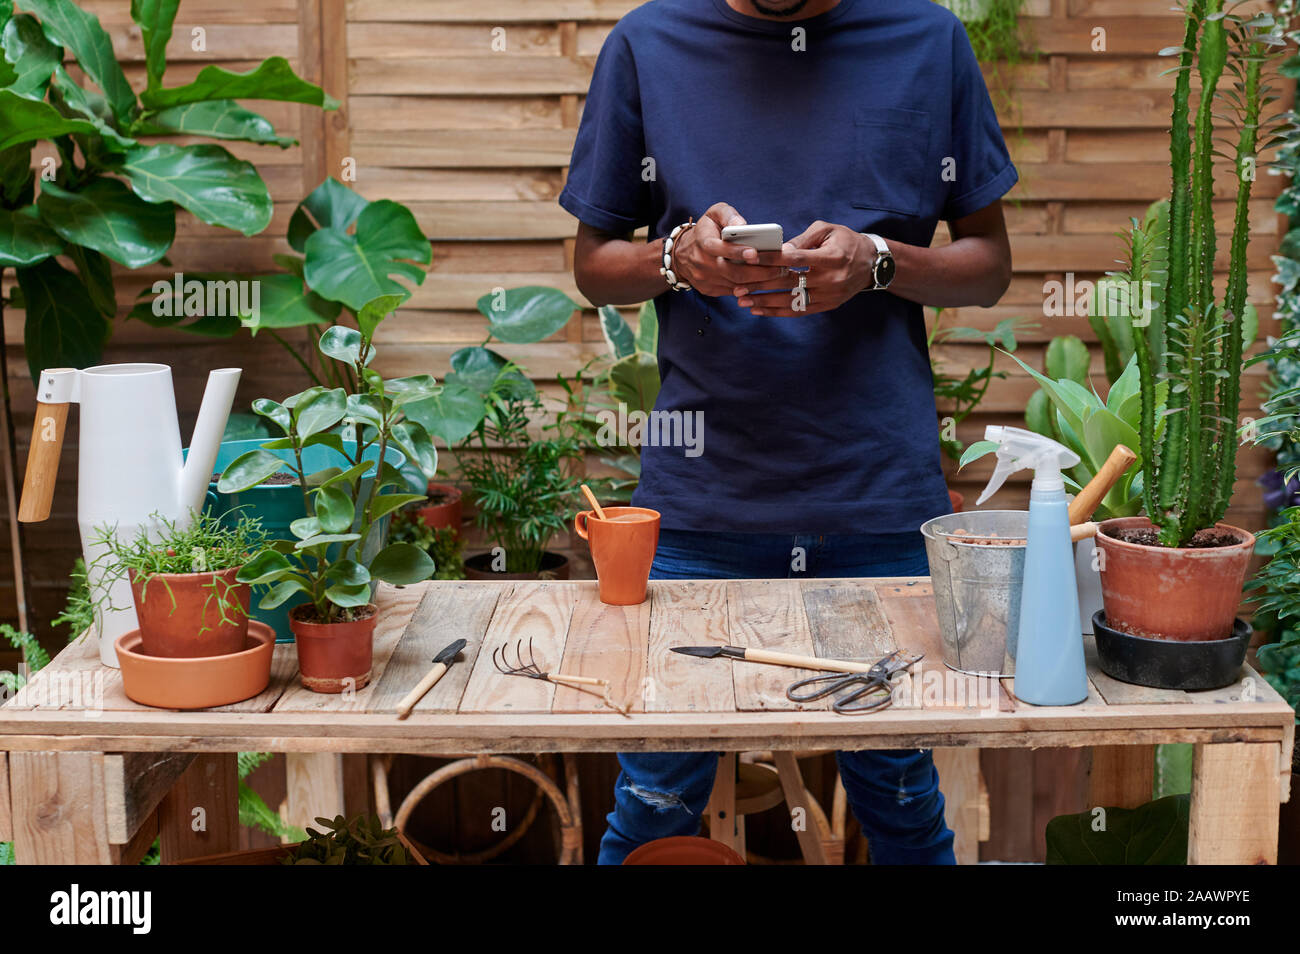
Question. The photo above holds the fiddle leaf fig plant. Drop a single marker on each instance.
(108, 196)
(326, 560)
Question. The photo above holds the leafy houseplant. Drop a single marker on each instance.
(187, 599)
(443, 544)
(356, 841)
(328, 561)
(112, 197)
(1277, 609)
(1189, 451)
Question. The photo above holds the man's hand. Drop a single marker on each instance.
(838, 262)
(714, 267)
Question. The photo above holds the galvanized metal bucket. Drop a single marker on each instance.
(977, 587)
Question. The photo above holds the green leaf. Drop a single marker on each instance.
(350, 475)
(1067, 357)
(63, 327)
(452, 415)
(1039, 415)
(343, 344)
(343, 594)
(33, 57)
(27, 120)
(365, 409)
(349, 573)
(97, 275)
(401, 564)
(619, 338)
(211, 298)
(155, 19)
(248, 470)
(320, 411)
(283, 302)
(528, 314)
(385, 504)
(80, 32)
(24, 239)
(334, 509)
(482, 369)
(272, 79)
(413, 440)
(330, 205)
(304, 528)
(282, 592)
(1126, 386)
(647, 328)
(265, 566)
(634, 381)
(204, 179)
(977, 450)
(215, 119)
(91, 107)
(1152, 834)
(375, 311)
(17, 178)
(325, 539)
(413, 387)
(107, 216)
(357, 268)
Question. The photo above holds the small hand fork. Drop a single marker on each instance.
(530, 669)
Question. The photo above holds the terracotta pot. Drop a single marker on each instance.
(957, 499)
(555, 566)
(333, 657)
(443, 509)
(683, 850)
(622, 549)
(1183, 593)
(196, 683)
(180, 616)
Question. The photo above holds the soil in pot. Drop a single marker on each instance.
(1177, 593)
(555, 566)
(336, 656)
(187, 615)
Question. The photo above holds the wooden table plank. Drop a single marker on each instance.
(1116, 692)
(532, 613)
(396, 607)
(768, 614)
(6, 814)
(134, 784)
(847, 621)
(446, 613)
(605, 642)
(59, 813)
(690, 613)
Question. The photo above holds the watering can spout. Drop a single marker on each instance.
(196, 474)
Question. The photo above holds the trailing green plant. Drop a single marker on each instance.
(78, 613)
(207, 543)
(443, 544)
(962, 395)
(1191, 463)
(1276, 594)
(357, 841)
(328, 561)
(253, 810)
(109, 196)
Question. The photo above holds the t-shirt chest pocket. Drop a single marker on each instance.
(891, 154)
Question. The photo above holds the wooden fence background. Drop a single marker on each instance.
(476, 142)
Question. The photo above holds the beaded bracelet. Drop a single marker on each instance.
(667, 271)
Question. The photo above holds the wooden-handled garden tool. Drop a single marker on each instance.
(532, 670)
(441, 663)
(53, 397)
(1087, 500)
(774, 658)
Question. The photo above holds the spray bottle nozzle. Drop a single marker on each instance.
(1019, 449)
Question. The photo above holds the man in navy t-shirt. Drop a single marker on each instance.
(810, 444)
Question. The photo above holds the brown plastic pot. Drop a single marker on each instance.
(1177, 593)
(555, 566)
(683, 850)
(198, 683)
(180, 614)
(443, 509)
(333, 657)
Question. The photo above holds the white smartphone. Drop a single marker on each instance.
(764, 238)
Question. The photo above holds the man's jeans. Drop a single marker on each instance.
(894, 794)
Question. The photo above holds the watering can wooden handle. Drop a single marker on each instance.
(1089, 498)
(42, 462)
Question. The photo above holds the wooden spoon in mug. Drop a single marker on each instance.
(595, 504)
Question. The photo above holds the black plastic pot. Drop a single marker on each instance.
(1168, 663)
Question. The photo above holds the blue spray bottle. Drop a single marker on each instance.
(1050, 669)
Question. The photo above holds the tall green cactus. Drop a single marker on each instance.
(1192, 460)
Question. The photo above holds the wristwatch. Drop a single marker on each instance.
(882, 270)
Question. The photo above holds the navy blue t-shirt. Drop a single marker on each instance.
(826, 422)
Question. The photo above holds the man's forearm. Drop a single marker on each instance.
(971, 271)
(618, 272)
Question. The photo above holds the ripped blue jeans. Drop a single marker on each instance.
(893, 794)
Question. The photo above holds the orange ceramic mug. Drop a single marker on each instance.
(622, 547)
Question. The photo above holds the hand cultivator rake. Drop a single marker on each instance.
(532, 670)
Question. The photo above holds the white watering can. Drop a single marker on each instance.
(131, 471)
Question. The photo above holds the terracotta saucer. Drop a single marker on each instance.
(199, 682)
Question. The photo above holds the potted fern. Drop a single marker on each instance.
(1176, 574)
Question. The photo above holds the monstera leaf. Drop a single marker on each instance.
(330, 205)
(526, 315)
(206, 180)
(356, 268)
(451, 415)
(107, 216)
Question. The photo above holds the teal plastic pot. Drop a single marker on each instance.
(279, 505)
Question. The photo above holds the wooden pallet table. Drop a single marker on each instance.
(87, 776)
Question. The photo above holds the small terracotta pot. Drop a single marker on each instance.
(1178, 593)
(446, 512)
(555, 566)
(198, 683)
(957, 499)
(622, 549)
(683, 850)
(333, 657)
(180, 615)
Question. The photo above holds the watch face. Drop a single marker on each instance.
(884, 270)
